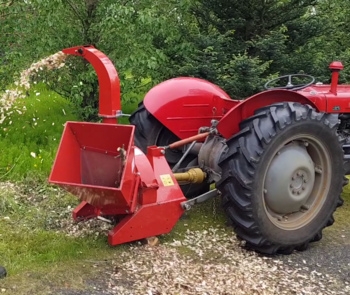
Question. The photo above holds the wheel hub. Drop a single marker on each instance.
(289, 180)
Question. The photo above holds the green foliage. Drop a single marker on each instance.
(33, 125)
(130, 33)
(236, 44)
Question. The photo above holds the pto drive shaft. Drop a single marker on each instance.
(194, 175)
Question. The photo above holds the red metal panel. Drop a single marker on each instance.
(69, 150)
(150, 220)
(108, 80)
(184, 105)
(229, 124)
(154, 218)
(338, 103)
(84, 211)
(88, 164)
(149, 183)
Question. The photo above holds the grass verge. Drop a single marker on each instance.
(30, 133)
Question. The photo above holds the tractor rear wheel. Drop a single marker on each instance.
(149, 131)
(283, 177)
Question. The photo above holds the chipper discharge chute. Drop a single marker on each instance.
(277, 158)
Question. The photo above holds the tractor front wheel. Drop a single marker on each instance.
(283, 177)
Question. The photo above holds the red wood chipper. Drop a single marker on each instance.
(278, 159)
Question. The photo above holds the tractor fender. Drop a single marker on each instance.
(229, 124)
(185, 104)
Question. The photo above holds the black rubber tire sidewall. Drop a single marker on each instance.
(299, 236)
(244, 163)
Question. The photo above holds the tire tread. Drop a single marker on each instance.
(239, 164)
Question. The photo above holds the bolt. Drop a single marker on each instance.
(303, 188)
(106, 152)
(306, 143)
(278, 153)
(305, 207)
(291, 186)
(162, 152)
(298, 193)
(265, 191)
(127, 211)
(294, 191)
(318, 170)
(305, 181)
(298, 174)
(278, 218)
(187, 206)
(293, 178)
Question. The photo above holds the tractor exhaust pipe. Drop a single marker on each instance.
(335, 67)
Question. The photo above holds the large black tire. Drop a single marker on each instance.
(258, 214)
(149, 131)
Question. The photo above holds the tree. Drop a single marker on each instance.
(242, 44)
(238, 45)
(132, 33)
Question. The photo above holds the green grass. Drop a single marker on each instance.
(28, 249)
(342, 214)
(33, 125)
(32, 248)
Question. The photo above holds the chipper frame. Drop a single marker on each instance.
(98, 163)
(278, 158)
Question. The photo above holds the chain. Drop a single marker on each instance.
(214, 209)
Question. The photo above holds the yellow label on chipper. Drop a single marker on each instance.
(166, 179)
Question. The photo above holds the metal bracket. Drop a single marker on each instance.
(346, 148)
(187, 205)
(183, 157)
(118, 114)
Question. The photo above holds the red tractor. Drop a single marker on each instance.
(278, 159)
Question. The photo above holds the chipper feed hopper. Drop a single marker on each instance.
(278, 159)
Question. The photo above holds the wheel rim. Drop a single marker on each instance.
(296, 182)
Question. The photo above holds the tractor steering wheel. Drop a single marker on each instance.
(290, 86)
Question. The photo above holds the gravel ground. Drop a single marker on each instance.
(212, 262)
(331, 256)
